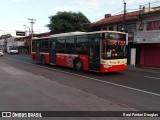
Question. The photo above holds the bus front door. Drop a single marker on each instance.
(52, 51)
(94, 54)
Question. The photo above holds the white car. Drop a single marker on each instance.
(1, 52)
(13, 50)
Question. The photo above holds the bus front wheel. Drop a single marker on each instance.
(78, 65)
(43, 60)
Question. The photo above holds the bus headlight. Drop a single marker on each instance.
(107, 66)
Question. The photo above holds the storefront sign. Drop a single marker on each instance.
(20, 33)
(147, 36)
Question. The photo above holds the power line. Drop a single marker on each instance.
(137, 4)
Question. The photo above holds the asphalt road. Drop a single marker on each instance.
(137, 88)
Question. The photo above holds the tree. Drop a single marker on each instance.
(5, 36)
(64, 22)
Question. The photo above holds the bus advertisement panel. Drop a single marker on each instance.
(101, 51)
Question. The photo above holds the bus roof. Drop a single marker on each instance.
(77, 33)
(81, 33)
(68, 34)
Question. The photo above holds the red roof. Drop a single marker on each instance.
(117, 18)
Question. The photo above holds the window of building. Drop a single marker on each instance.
(131, 28)
(120, 28)
(153, 25)
(105, 28)
(111, 28)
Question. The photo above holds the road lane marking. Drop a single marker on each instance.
(131, 88)
(152, 77)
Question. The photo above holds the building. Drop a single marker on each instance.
(147, 39)
(143, 28)
(2, 43)
(24, 43)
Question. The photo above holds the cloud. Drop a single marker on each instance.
(89, 4)
(76, 6)
(64, 8)
(96, 9)
(91, 8)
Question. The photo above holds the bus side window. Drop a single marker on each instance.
(60, 45)
(70, 49)
(91, 52)
(81, 45)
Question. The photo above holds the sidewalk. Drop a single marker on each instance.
(143, 68)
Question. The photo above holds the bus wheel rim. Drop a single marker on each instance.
(43, 60)
(78, 65)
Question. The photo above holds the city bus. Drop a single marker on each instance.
(100, 51)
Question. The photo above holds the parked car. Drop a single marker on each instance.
(1, 52)
(12, 50)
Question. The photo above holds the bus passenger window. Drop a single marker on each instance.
(91, 52)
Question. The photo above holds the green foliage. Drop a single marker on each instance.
(5, 36)
(64, 22)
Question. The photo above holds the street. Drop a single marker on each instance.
(26, 85)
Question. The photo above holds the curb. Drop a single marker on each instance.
(131, 66)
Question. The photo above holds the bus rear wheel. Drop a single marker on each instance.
(78, 65)
(43, 60)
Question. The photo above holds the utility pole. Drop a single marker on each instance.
(125, 30)
(149, 6)
(124, 17)
(32, 22)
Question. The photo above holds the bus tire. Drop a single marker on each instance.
(43, 60)
(78, 65)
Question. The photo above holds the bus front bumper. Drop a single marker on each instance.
(113, 68)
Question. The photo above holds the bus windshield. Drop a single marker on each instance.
(114, 46)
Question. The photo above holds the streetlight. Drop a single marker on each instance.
(26, 29)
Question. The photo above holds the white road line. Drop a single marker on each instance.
(135, 89)
(152, 77)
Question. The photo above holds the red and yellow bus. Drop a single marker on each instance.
(101, 51)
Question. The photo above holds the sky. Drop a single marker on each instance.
(14, 14)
